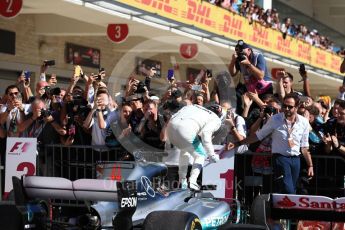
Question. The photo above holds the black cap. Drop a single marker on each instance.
(176, 93)
(242, 45)
(217, 109)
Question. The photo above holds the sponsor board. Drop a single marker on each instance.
(317, 203)
(215, 221)
(128, 202)
(20, 159)
(217, 20)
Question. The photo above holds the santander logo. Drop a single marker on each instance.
(322, 203)
(286, 203)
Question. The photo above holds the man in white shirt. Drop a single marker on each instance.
(13, 111)
(290, 133)
(191, 130)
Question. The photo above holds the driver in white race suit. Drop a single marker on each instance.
(191, 130)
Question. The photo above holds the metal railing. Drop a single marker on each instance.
(79, 161)
(328, 180)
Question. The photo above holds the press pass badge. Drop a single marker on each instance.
(291, 142)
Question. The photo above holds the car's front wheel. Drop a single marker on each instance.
(171, 220)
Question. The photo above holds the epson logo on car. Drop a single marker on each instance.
(128, 202)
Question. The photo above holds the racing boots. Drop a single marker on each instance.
(184, 183)
(194, 186)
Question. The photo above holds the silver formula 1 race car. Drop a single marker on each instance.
(136, 198)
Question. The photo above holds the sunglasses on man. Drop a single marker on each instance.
(287, 106)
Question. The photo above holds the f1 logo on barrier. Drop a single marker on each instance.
(10, 8)
(20, 147)
(188, 50)
(117, 32)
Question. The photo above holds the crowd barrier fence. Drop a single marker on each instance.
(78, 161)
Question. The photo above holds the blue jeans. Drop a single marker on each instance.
(286, 170)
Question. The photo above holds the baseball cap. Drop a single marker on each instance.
(242, 45)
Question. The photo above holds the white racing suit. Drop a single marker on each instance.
(190, 130)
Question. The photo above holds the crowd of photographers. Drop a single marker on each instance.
(85, 113)
(270, 18)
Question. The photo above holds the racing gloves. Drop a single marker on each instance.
(214, 158)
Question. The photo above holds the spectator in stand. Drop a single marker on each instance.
(137, 113)
(285, 27)
(316, 131)
(335, 133)
(244, 9)
(13, 111)
(342, 66)
(262, 164)
(37, 122)
(237, 131)
(252, 66)
(198, 99)
(285, 84)
(151, 125)
(290, 132)
(275, 23)
(121, 127)
(335, 109)
(100, 118)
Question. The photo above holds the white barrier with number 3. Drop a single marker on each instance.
(20, 159)
(220, 174)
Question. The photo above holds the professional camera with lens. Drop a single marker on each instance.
(78, 106)
(141, 87)
(239, 51)
(270, 110)
(45, 113)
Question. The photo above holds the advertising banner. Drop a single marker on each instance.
(217, 20)
(20, 159)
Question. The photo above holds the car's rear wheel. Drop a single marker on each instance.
(171, 220)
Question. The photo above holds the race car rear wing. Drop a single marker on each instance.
(29, 188)
(303, 207)
(61, 188)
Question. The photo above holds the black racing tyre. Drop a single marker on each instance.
(233, 226)
(10, 217)
(172, 220)
(260, 211)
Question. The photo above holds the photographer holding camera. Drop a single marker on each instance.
(253, 68)
(13, 111)
(39, 123)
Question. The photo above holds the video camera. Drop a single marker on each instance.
(140, 87)
(45, 113)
